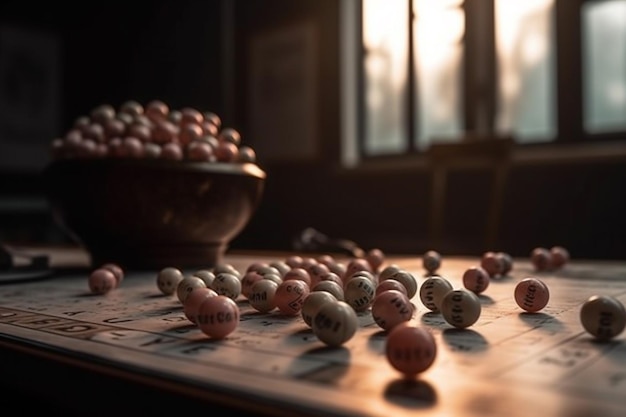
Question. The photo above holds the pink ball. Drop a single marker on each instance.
(410, 349)
(117, 271)
(299, 274)
(391, 308)
(476, 279)
(248, 281)
(492, 264)
(541, 259)
(390, 284)
(218, 316)
(192, 303)
(101, 281)
(531, 294)
(290, 296)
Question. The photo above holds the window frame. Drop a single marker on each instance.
(568, 76)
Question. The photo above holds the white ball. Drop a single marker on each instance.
(335, 323)
(168, 279)
(359, 292)
(603, 316)
(186, 285)
(433, 290)
(227, 284)
(461, 308)
(313, 302)
(261, 296)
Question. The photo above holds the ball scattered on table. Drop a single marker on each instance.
(410, 349)
(390, 284)
(228, 284)
(262, 294)
(313, 302)
(218, 316)
(359, 292)
(531, 294)
(192, 302)
(332, 287)
(101, 281)
(461, 308)
(290, 296)
(168, 279)
(603, 316)
(476, 279)
(391, 308)
(432, 291)
(335, 323)
(507, 262)
(187, 284)
(405, 278)
(492, 263)
(248, 280)
(431, 261)
(205, 275)
(541, 258)
(559, 257)
(375, 257)
(117, 271)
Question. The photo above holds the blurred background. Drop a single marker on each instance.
(406, 125)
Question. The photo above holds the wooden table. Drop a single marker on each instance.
(133, 350)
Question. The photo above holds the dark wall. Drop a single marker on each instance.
(173, 51)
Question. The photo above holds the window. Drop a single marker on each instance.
(434, 71)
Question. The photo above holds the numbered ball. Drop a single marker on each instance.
(332, 287)
(101, 281)
(492, 263)
(228, 284)
(168, 279)
(410, 349)
(218, 316)
(117, 271)
(192, 302)
(290, 296)
(186, 285)
(602, 316)
(541, 258)
(206, 276)
(375, 257)
(335, 323)
(461, 308)
(531, 294)
(507, 262)
(431, 261)
(390, 284)
(387, 272)
(359, 292)
(476, 279)
(313, 302)
(559, 256)
(261, 295)
(248, 280)
(391, 308)
(433, 290)
(407, 279)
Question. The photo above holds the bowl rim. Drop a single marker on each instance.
(231, 168)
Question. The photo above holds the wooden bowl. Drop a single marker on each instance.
(147, 214)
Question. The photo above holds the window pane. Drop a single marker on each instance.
(438, 34)
(525, 57)
(604, 64)
(385, 37)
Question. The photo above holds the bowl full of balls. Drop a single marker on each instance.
(146, 186)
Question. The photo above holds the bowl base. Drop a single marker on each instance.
(161, 256)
